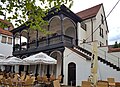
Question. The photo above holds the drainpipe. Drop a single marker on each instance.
(13, 42)
(20, 40)
(92, 29)
(76, 41)
(62, 66)
(28, 38)
(37, 38)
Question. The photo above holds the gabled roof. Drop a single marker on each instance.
(90, 12)
(5, 32)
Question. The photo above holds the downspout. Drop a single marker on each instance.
(37, 38)
(76, 41)
(92, 29)
(28, 39)
(20, 40)
(13, 42)
(62, 39)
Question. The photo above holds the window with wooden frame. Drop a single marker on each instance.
(9, 40)
(4, 39)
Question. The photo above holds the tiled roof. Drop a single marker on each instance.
(90, 12)
(7, 23)
(114, 50)
(5, 32)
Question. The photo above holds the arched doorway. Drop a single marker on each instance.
(56, 69)
(72, 74)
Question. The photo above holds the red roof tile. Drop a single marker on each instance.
(90, 12)
(5, 32)
(7, 23)
(114, 50)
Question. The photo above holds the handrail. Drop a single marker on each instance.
(104, 54)
(48, 41)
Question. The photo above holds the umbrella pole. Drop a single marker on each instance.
(36, 72)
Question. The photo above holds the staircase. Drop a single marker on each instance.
(87, 54)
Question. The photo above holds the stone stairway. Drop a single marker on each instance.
(87, 54)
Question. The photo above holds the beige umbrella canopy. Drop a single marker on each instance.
(14, 61)
(40, 58)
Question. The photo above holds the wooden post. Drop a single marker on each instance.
(94, 64)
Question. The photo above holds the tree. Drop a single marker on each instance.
(116, 44)
(32, 11)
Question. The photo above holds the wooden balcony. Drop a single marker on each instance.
(43, 44)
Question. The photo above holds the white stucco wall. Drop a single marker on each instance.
(93, 23)
(81, 33)
(105, 72)
(5, 48)
(83, 68)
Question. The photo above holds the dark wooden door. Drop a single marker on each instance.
(72, 74)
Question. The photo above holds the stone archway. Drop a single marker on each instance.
(56, 69)
(70, 29)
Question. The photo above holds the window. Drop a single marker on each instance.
(83, 25)
(101, 32)
(106, 32)
(4, 38)
(9, 40)
(106, 42)
(101, 44)
(102, 20)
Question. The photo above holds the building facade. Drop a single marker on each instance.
(70, 43)
(6, 38)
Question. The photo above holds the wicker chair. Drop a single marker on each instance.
(28, 83)
(56, 83)
(52, 78)
(59, 77)
(10, 83)
(111, 82)
(86, 84)
(4, 82)
(102, 84)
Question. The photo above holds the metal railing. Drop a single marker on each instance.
(103, 53)
(47, 41)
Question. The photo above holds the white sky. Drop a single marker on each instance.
(112, 20)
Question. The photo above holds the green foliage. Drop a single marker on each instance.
(32, 11)
(116, 45)
(3, 25)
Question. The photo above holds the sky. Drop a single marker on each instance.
(112, 20)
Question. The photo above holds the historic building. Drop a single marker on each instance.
(70, 43)
(6, 38)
